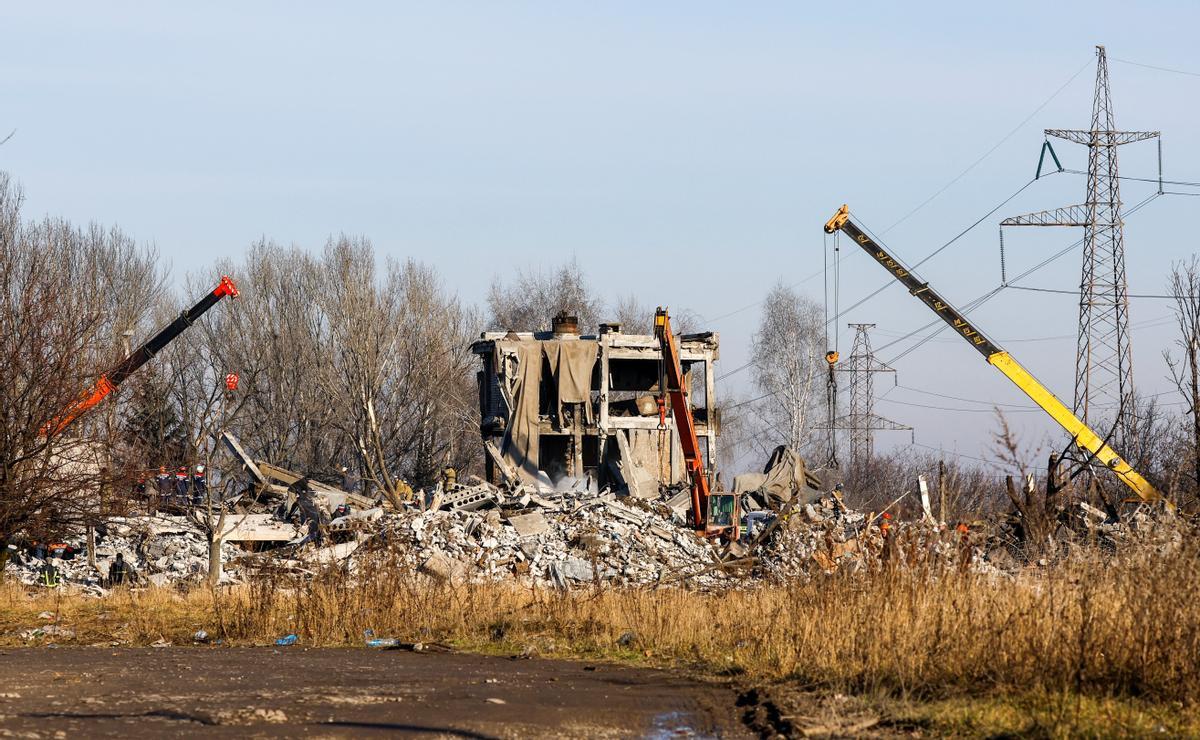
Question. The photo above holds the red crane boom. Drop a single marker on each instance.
(109, 381)
(704, 501)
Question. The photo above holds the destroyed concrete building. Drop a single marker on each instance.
(559, 408)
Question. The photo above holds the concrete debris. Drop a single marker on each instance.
(529, 525)
(578, 538)
(156, 549)
(442, 567)
(572, 537)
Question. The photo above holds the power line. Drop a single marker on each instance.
(958, 454)
(995, 291)
(989, 152)
(837, 263)
(952, 408)
(929, 256)
(752, 400)
(1160, 69)
(734, 371)
(1145, 324)
(967, 400)
(941, 325)
(1076, 292)
(1152, 180)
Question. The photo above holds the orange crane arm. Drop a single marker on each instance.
(681, 411)
(109, 381)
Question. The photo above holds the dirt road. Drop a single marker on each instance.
(272, 692)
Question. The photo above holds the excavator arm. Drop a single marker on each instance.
(108, 382)
(1084, 437)
(684, 423)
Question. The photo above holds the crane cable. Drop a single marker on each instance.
(831, 353)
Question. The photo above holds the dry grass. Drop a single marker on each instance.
(1123, 627)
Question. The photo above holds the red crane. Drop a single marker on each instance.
(713, 514)
(108, 382)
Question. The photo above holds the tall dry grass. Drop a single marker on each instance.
(1119, 625)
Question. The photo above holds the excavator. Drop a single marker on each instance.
(1082, 435)
(714, 514)
(109, 381)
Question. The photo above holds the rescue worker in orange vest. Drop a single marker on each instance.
(964, 546)
(889, 543)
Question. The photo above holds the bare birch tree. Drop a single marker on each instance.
(786, 352)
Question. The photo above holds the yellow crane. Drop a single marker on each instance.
(1084, 437)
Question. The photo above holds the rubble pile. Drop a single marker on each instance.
(581, 538)
(826, 536)
(564, 536)
(157, 550)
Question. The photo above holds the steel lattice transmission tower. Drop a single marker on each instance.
(862, 422)
(1103, 358)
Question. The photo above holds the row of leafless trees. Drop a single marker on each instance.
(349, 366)
(353, 366)
(346, 367)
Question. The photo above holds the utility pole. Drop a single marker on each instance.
(1103, 358)
(862, 422)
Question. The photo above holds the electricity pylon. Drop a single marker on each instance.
(1103, 358)
(862, 422)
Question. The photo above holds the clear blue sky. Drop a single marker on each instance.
(687, 152)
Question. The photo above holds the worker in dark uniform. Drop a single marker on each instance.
(117, 572)
(166, 486)
(199, 486)
(310, 512)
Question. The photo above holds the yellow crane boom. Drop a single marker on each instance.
(1084, 437)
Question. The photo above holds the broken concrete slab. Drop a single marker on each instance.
(507, 474)
(529, 525)
(258, 528)
(640, 482)
(571, 569)
(681, 503)
(336, 496)
(468, 499)
(625, 513)
(443, 568)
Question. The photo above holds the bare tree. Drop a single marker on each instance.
(528, 303)
(1185, 371)
(636, 317)
(786, 353)
(275, 338)
(364, 324)
(64, 300)
(434, 403)
(342, 364)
